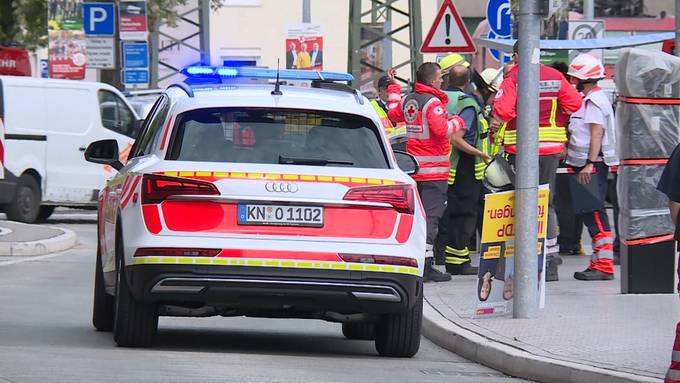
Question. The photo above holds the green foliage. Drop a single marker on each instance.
(25, 21)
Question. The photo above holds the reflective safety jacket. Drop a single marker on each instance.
(557, 100)
(390, 128)
(429, 129)
(458, 101)
(579, 132)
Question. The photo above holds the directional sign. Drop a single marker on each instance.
(498, 16)
(99, 19)
(135, 55)
(448, 33)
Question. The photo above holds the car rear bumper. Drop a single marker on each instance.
(253, 288)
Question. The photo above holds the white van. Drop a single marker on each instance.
(45, 127)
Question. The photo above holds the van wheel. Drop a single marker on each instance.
(398, 334)
(45, 212)
(135, 323)
(102, 306)
(360, 331)
(25, 204)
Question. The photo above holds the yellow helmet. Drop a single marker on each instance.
(452, 60)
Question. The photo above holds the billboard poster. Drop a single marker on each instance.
(66, 40)
(556, 25)
(132, 19)
(304, 47)
(495, 286)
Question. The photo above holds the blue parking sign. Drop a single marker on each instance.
(498, 15)
(99, 19)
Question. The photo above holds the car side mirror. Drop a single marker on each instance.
(104, 152)
(406, 162)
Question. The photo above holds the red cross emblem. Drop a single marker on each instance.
(411, 111)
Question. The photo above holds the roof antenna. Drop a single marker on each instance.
(277, 87)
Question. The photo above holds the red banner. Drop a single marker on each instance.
(14, 62)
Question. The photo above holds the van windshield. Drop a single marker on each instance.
(266, 136)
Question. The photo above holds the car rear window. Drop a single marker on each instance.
(266, 136)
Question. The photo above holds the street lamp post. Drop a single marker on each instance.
(525, 304)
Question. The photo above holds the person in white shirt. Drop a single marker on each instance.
(590, 152)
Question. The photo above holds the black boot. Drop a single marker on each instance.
(439, 249)
(462, 269)
(433, 275)
(593, 275)
(551, 270)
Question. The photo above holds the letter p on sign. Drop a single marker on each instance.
(99, 19)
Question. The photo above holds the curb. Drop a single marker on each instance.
(61, 242)
(514, 361)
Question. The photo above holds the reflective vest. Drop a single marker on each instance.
(552, 100)
(390, 129)
(457, 102)
(579, 132)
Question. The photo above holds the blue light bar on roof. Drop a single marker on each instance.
(262, 73)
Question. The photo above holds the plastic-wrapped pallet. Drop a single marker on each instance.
(636, 187)
(647, 131)
(644, 223)
(647, 74)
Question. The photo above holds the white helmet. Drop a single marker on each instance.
(499, 175)
(586, 67)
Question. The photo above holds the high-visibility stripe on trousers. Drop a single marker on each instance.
(673, 374)
(603, 241)
(457, 256)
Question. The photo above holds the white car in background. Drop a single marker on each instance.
(265, 201)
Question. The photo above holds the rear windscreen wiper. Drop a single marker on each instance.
(312, 161)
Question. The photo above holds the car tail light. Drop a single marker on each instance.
(156, 188)
(175, 252)
(379, 259)
(399, 196)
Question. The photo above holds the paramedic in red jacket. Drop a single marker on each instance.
(557, 100)
(429, 132)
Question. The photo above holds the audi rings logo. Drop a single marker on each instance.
(281, 187)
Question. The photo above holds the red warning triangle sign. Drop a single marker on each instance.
(448, 33)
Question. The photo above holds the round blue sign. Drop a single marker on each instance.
(498, 15)
(495, 53)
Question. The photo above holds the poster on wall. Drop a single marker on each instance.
(495, 285)
(304, 47)
(66, 40)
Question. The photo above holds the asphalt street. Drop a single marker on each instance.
(46, 336)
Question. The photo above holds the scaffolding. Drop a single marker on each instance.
(374, 25)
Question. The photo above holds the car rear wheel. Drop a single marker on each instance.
(25, 204)
(398, 334)
(103, 305)
(359, 331)
(135, 323)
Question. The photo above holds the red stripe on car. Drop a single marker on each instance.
(277, 254)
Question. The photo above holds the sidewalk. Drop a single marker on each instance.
(587, 332)
(20, 239)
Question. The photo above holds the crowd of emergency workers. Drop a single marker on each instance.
(461, 127)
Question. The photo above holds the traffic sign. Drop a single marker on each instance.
(135, 76)
(44, 69)
(132, 19)
(135, 55)
(498, 55)
(498, 15)
(99, 19)
(100, 53)
(448, 33)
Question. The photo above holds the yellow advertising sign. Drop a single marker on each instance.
(499, 216)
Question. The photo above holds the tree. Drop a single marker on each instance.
(24, 22)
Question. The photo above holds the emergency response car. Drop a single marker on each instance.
(260, 200)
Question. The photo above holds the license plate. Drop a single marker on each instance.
(282, 215)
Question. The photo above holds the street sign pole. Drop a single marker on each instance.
(525, 304)
(589, 9)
